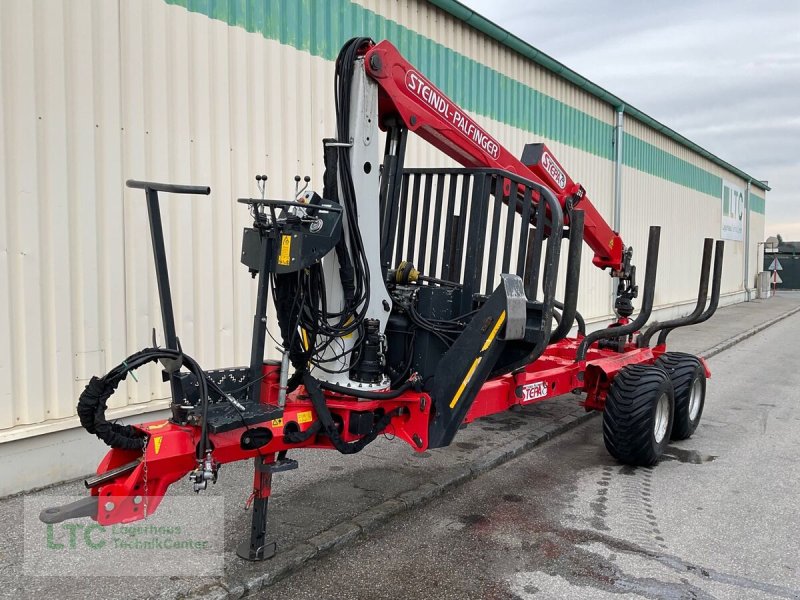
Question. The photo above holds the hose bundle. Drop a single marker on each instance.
(324, 324)
(328, 425)
(92, 405)
(93, 401)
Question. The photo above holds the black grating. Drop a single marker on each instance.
(467, 226)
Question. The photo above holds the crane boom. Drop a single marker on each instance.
(428, 112)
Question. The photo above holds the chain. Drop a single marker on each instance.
(144, 473)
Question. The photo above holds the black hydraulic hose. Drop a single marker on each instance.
(298, 437)
(314, 390)
(93, 401)
(367, 395)
(92, 405)
(581, 323)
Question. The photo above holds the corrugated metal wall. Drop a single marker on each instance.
(62, 280)
(95, 92)
(686, 214)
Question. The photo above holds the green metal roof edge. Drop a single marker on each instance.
(505, 37)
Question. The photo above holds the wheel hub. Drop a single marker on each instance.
(661, 421)
(694, 399)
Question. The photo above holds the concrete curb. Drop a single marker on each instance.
(291, 560)
(721, 347)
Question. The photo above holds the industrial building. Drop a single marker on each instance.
(213, 92)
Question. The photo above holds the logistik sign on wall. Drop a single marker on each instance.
(732, 212)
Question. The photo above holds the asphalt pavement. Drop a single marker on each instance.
(331, 501)
(717, 518)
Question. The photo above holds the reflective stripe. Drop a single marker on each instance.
(460, 391)
(493, 334)
(500, 320)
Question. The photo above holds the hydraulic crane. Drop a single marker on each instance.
(410, 301)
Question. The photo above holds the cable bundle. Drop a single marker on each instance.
(93, 401)
(310, 311)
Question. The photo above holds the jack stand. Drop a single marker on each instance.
(257, 548)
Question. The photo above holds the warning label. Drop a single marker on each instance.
(285, 257)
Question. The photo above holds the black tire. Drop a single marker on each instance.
(687, 375)
(633, 421)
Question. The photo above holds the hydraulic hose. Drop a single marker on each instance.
(329, 426)
(92, 405)
(93, 401)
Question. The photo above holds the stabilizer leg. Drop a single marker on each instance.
(257, 547)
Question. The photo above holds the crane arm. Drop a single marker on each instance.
(427, 111)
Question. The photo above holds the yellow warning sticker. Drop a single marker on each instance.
(277, 422)
(305, 417)
(304, 338)
(285, 257)
(157, 444)
(349, 335)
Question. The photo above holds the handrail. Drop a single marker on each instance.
(151, 189)
(168, 188)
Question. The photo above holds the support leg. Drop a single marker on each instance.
(257, 547)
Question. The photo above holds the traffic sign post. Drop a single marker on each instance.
(776, 279)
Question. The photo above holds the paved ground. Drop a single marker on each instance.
(716, 519)
(335, 499)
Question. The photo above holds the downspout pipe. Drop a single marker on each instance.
(619, 130)
(618, 135)
(747, 242)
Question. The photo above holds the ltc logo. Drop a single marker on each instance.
(73, 535)
(733, 202)
(552, 168)
(534, 391)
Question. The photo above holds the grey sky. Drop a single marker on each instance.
(724, 74)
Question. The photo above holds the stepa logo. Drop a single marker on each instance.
(551, 166)
(534, 391)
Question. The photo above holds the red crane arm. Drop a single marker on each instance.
(428, 112)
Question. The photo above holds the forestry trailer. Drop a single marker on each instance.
(409, 301)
